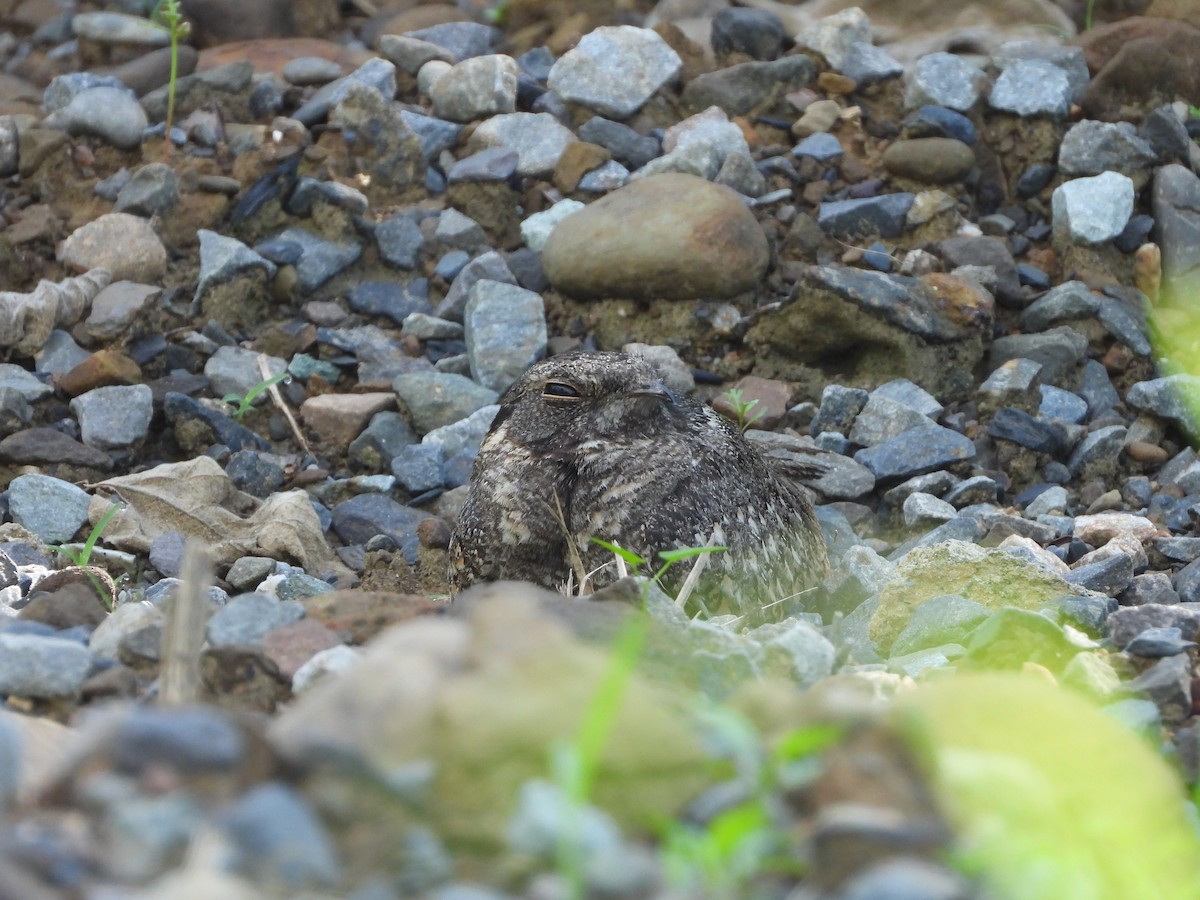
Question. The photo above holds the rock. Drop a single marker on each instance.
(41, 667)
(1067, 58)
(757, 33)
(111, 114)
(1032, 87)
(476, 88)
(304, 71)
(943, 79)
(126, 246)
(320, 259)
(279, 838)
(1176, 196)
(883, 216)
(51, 508)
(247, 617)
(614, 70)
(833, 35)
(1093, 148)
(672, 236)
(436, 399)
(869, 65)
(914, 452)
(538, 139)
(931, 160)
(505, 332)
(378, 74)
(152, 190)
(740, 89)
(114, 417)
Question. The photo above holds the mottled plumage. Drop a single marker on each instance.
(633, 463)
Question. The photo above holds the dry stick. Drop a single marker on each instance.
(183, 635)
(277, 398)
(576, 560)
(693, 577)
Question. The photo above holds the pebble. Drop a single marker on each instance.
(247, 617)
(278, 837)
(884, 215)
(915, 452)
(114, 417)
(538, 139)
(505, 331)
(125, 245)
(42, 667)
(671, 236)
(739, 89)
(1094, 148)
(833, 35)
(943, 79)
(1032, 87)
(320, 259)
(437, 399)
(868, 64)
(311, 70)
(51, 508)
(614, 70)
(932, 160)
(1067, 58)
(475, 88)
(758, 33)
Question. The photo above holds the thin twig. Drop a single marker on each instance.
(277, 398)
(572, 551)
(693, 576)
(183, 634)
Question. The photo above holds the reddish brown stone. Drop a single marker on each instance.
(291, 646)
(357, 616)
(104, 367)
(770, 399)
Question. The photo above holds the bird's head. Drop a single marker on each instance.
(564, 401)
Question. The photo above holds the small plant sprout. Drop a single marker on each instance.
(744, 413)
(168, 14)
(669, 558)
(83, 555)
(244, 404)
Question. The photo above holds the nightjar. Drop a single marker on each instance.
(595, 445)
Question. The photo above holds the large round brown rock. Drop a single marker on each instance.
(671, 236)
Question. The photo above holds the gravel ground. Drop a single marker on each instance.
(278, 331)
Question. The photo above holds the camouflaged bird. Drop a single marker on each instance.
(600, 437)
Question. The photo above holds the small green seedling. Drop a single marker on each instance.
(244, 404)
(669, 557)
(168, 14)
(83, 555)
(744, 413)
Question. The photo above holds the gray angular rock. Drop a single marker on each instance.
(151, 190)
(505, 332)
(614, 70)
(320, 258)
(114, 417)
(1093, 148)
(436, 399)
(868, 64)
(915, 452)
(51, 508)
(1032, 87)
(741, 88)
(538, 139)
(112, 114)
(943, 79)
(884, 216)
(375, 73)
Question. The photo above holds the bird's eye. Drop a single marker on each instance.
(560, 390)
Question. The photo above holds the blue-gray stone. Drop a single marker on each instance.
(63, 88)
(904, 878)
(868, 64)
(1086, 612)
(1100, 448)
(391, 299)
(320, 259)
(1060, 405)
(247, 617)
(1140, 716)
(758, 33)
(937, 121)
(1023, 429)
(42, 667)
(1158, 642)
(1093, 210)
(464, 435)
(254, 473)
(464, 40)
(224, 258)
(361, 518)
(976, 489)
(491, 164)
(1172, 397)
(400, 240)
(962, 528)
(189, 740)
(309, 191)
(115, 416)
(505, 332)
(278, 837)
(911, 395)
(436, 135)
(1069, 59)
(1067, 301)
(436, 399)
(375, 73)
(1032, 87)
(180, 409)
(627, 146)
(1060, 352)
(1169, 684)
(1108, 576)
(943, 79)
(614, 70)
(821, 146)
(839, 407)
(1092, 148)
(418, 468)
(1097, 389)
(112, 114)
(883, 216)
(915, 452)
(150, 191)
(51, 508)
